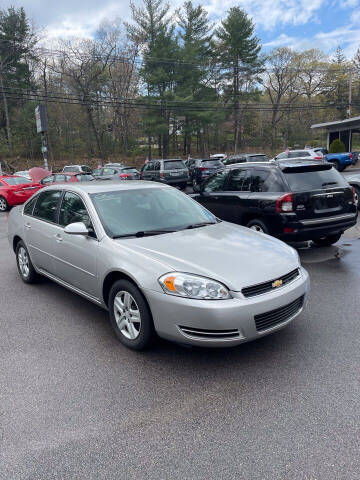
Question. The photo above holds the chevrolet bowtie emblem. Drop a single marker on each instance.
(277, 283)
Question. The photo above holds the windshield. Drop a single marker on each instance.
(212, 163)
(315, 180)
(16, 180)
(125, 212)
(173, 165)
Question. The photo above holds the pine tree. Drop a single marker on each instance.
(239, 59)
(195, 54)
(153, 31)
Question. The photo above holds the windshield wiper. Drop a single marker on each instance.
(143, 233)
(202, 224)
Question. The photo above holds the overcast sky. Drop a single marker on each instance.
(299, 24)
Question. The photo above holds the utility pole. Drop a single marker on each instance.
(6, 108)
(41, 127)
(350, 92)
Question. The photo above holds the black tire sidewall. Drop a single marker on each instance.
(260, 223)
(147, 332)
(33, 276)
(327, 241)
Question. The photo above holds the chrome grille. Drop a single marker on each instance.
(265, 287)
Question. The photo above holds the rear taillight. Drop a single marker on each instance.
(355, 196)
(124, 175)
(318, 158)
(285, 203)
(351, 155)
(162, 174)
(203, 169)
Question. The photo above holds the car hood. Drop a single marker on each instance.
(234, 255)
(38, 174)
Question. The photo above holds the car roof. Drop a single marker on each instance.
(108, 186)
(288, 163)
(71, 173)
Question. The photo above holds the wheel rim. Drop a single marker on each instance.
(23, 262)
(257, 228)
(127, 315)
(2, 204)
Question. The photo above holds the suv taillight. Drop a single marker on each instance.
(285, 203)
(355, 196)
(351, 155)
(203, 169)
(162, 174)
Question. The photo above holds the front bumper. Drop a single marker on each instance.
(170, 313)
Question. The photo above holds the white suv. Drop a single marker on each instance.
(304, 154)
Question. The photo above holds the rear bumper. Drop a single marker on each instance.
(174, 181)
(316, 228)
(203, 322)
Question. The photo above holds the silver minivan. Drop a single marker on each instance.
(172, 172)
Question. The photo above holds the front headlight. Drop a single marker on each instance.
(192, 286)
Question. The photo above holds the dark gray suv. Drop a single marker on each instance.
(173, 172)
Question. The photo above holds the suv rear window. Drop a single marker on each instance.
(299, 154)
(130, 170)
(212, 163)
(173, 165)
(258, 158)
(314, 180)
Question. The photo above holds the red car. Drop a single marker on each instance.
(15, 190)
(66, 177)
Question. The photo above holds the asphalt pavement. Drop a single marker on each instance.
(76, 404)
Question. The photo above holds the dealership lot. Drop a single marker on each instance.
(77, 404)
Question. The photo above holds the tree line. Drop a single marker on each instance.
(167, 83)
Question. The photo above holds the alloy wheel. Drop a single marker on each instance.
(23, 259)
(127, 315)
(3, 205)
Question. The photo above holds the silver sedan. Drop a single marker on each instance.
(159, 262)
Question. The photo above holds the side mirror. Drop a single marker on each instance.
(77, 228)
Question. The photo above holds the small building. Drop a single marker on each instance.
(348, 131)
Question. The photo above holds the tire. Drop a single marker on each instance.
(258, 226)
(125, 298)
(327, 241)
(4, 206)
(357, 190)
(26, 269)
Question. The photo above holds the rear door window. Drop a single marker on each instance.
(47, 205)
(60, 178)
(84, 177)
(174, 165)
(314, 180)
(16, 180)
(29, 207)
(86, 169)
(266, 180)
(239, 180)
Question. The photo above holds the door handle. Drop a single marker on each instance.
(58, 237)
(28, 226)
